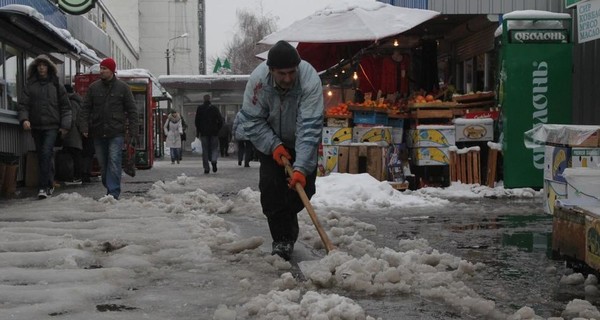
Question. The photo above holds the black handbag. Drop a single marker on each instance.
(129, 165)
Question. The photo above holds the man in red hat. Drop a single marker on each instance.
(108, 105)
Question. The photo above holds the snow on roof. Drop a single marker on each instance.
(81, 48)
(535, 14)
(532, 19)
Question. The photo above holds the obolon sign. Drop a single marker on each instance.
(539, 36)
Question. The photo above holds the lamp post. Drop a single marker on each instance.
(168, 54)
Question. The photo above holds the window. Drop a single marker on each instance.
(10, 65)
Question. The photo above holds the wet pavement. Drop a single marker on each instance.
(511, 237)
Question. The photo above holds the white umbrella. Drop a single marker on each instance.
(348, 21)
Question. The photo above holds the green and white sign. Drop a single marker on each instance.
(588, 21)
(76, 7)
(571, 3)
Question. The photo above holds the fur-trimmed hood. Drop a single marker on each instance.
(32, 69)
(174, 117)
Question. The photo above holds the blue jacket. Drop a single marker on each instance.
(237, 129)
(293, 118)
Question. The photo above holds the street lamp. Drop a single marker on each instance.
(185, 35)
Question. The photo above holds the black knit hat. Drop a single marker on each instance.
(283, 55)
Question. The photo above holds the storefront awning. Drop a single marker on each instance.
(27, 28)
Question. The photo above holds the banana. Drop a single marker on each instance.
(373, 135)
(559, 158)
(551, 198)
(344, 134)
(330, 159)
(438, 155)
(434, 135)
(330, 163)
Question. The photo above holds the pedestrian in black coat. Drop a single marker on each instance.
(208, 122)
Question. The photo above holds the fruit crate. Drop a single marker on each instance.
(370, 117)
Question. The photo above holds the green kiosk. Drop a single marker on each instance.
(534, 87)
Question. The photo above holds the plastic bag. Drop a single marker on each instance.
(197, 146)
(231, 149)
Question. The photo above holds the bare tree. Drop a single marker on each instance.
(242, 50)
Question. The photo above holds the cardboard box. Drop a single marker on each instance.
(583, 184)
(556, 160)
(431, 136)
(338, 122)
(568, 232)
(380, 135)
(327, 161)
(474, 129)
(553, 190)
(585, 158)
(430, 156)
(337, 135)
(576, 137)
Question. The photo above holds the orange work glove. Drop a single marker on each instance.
(279, 152)
(297, 177)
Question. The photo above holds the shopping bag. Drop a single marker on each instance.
(231, 149)
(197, 146)
(129, 165)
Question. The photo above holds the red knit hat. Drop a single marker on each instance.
(110, 64)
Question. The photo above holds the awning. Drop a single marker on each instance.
(28, 29)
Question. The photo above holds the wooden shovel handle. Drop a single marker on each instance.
(309, 208)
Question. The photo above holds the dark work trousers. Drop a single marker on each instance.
(280, 204)
(87, 158)
(77, 162)
(224, 146)
(245, 151)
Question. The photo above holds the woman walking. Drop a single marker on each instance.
(173, 130)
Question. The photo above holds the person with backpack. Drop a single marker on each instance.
(44, 109)
(72, 144)
(173, 129)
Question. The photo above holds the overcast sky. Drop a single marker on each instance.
(221, 19)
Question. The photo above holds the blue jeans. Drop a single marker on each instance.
(44, 145)
(210, 150)
(109, 152)
(175, 154)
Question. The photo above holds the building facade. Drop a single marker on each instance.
(74, 42)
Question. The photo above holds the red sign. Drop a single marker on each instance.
(482, 114)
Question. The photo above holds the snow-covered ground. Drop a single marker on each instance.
(178, 253)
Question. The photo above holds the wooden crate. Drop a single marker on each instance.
(363, 159)
(465, 166)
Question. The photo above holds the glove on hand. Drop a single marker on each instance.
(279, 152)
(297, 177)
